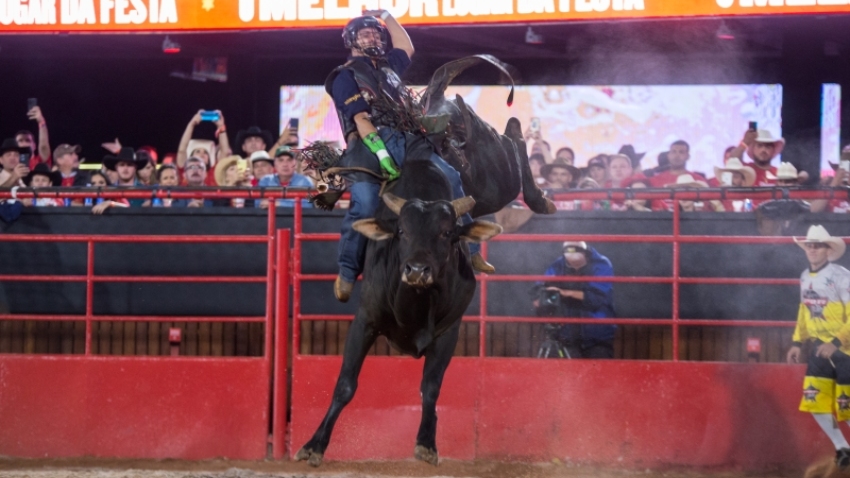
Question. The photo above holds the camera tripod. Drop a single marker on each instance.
(552, 348)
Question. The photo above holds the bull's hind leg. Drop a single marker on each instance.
(437, 358)
(361, 336)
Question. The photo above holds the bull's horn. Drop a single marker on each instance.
(394, 202)
(463, 205)
(322, 187)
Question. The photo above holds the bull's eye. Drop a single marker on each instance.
(400, 231)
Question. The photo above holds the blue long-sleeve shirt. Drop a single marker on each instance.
(598, 296)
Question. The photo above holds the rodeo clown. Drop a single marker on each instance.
(373, 141)
(823, 319)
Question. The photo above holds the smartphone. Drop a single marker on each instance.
(210, 116)
(241, 166)
(535, 125)
(31, 103)
(293, 123)
(754, 126)
(726, 178)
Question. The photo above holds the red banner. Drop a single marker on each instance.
(51, 16)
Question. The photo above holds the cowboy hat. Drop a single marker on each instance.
(126, 155)
(765, 136)
(205, 144)
(635, 157)
(686, 181)
(9, 144)
(785, 172)
(560, 163)
(42, 169)
(252, 132)
(261, 156)
(819, 235)
(221, 167)
(734, 165)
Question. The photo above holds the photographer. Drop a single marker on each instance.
(580, 300)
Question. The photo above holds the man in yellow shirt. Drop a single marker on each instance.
(823, 319)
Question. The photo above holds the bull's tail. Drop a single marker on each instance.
(531, 193)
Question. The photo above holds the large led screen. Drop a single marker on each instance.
(594, 119)
(830, 131)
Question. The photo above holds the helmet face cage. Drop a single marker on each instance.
(349, 34)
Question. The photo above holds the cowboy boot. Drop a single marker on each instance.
(480, 265)
(342, 289)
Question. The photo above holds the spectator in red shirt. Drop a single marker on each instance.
(840, 179)
(678, 156)
(67, 160)
(25, 140)
(261, 165)
(10, 158)
(762, 147)
(619, 170)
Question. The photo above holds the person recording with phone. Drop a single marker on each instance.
(204, 153)
(761, 147)
(25, 138)
(593, 300)
(289, 137)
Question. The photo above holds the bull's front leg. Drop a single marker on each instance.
(437, 358)
(361, 336)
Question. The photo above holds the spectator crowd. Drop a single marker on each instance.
(257, 159)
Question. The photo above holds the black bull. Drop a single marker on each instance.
(417, 283)
(494, 167)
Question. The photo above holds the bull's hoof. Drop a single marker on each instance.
(313, 458)
(427, 455)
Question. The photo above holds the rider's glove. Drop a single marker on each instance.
(376, 145)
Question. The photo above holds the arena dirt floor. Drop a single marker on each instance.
(98, 468)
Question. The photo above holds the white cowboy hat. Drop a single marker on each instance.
(765, 136)
(734, 165)
(261, 156)
(686, 181)
(205, 144)
(818, 235)
(785, 172)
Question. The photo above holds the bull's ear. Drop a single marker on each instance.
(479, 231)
(371, 229)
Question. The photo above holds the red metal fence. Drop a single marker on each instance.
(490, 407)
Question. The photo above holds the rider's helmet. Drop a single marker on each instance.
(349, 35)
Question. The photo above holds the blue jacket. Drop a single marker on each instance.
(598, 296)
(297, 181)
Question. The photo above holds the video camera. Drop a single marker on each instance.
(549, 301)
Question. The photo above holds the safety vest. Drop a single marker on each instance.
(372, 83)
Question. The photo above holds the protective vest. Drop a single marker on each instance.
(372, 83)
(824, 303)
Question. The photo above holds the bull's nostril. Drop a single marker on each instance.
(408, 269)
(426, 270)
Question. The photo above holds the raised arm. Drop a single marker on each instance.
(187, 136)
(398, 34)
(43, 139)
(224, 149)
